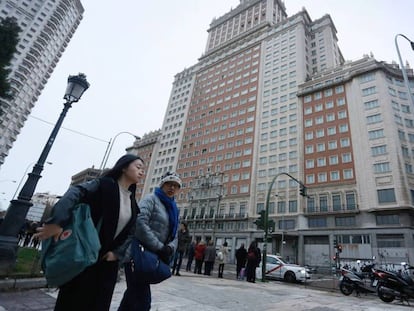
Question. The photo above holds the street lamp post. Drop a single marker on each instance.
(407, 83)
(18, 209)
(219, 197)
(24, 174)
(266, 217)
(110, 145)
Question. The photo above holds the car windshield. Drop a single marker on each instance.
(274, 260)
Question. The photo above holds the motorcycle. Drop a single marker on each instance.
(361, 282)
(393, 285)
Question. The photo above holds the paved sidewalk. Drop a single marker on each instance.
(209, 293)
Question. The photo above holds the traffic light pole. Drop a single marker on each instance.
(266, 217)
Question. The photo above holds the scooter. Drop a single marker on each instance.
(361, 282)
(393, 285)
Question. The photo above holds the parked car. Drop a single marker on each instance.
(276, 268)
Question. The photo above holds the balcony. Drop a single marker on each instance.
(231, 216)
(332, 210)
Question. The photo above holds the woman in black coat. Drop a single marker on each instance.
(113, 205)
(253, 260)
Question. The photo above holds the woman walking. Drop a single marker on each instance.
(112, 202)
(156, 230)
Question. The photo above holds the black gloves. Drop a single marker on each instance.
(165, 253)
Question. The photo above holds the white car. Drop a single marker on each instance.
(276, 268)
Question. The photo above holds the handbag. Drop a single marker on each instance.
(146, 266)
(76, 249)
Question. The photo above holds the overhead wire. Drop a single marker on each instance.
(70, 130)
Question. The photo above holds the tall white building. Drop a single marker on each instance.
(270, 99)
(47, 27)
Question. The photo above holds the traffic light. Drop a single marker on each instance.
(335, 244)
(340, 248)
(302, 190)
(260, 222)
(271, 225)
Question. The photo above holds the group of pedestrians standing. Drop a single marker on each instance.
(247, 261)
(207, 255)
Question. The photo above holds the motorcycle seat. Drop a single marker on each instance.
(361, 275)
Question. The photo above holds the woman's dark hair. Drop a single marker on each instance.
(123, 162)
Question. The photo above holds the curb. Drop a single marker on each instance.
(22, 284)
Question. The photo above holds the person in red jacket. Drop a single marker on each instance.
(199, 256)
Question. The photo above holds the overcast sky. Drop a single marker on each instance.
(130, 51)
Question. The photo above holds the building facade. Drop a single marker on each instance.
(42, 206)
(145, 148)
(358, 163)
(47, 27)
(270, 97)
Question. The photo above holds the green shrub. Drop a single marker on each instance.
(28, 263)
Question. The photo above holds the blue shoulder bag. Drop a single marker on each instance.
(76, 249)
(146, 267)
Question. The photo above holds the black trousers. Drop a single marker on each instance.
(137, 296)
(91, 290)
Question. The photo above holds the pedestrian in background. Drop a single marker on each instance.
(113, 204)
(241, 258)
(222, 257)
(183, 242)
(199, 256)
(253, 258)
(209, 257)
(190, 255)
(156, 230)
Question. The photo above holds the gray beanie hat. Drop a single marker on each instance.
(171, 177)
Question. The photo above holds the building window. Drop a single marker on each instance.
(375, 134)
(317, 222)
(331, 130)
(310, 163)
(369, 91)
(393, 219)
(334, 175)
(379, 150)
(320, 147)
(310, 204)
(310, 179)
(343, 128)
(386, 196)
(322, 177)
(374, 118)
(350, 201)
(332, 145)
(348, 173)
(323, 203)
(345, 142)
(309, 149)
(382, 167)
(345, 221)
(371, 104)
(390, 241)
(321, 162)
(339, 89)
(336, 202)
(293, 206)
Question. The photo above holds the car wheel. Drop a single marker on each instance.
(290, 277)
